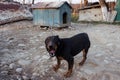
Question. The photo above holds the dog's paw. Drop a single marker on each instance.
(67, 74)
(81, 63)
(55, 68)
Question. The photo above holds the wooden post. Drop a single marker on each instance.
(104, 9)
(81, 4)
(23, 1)
(85, 2)
(70, 2)
(33, 1)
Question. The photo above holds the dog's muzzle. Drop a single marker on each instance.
(52, 53)
(52, 49)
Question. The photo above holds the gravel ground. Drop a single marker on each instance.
(23, 55)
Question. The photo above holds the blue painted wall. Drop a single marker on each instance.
(52, 17)
(46, 17)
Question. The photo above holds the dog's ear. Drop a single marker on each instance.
(58, 39)
(46, 40)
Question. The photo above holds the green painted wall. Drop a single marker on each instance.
(118, 10)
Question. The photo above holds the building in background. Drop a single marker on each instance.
(98, 11)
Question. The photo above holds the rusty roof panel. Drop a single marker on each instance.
(9, 6)
(46, 5)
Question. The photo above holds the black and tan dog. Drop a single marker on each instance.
(67, 48)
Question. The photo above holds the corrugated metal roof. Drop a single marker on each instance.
(47, 5)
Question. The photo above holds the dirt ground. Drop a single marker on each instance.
(23, 55)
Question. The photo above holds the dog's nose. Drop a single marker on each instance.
(50, 46)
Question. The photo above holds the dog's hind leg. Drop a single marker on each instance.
(85, 51)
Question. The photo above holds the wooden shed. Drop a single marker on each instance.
(55, 14)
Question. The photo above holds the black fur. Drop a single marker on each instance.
(67, 48)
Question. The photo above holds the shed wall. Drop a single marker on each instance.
(46, 17)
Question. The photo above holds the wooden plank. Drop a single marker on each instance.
(111, 16)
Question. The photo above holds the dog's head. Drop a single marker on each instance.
(52, 43)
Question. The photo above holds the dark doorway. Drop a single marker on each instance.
(64, 18)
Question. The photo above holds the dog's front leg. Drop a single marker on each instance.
(55, 68)
(70, 67)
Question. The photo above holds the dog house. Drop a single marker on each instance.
(55, 14)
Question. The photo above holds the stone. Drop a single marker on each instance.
(88, 71)
(3, 63)
(106, 61)
(12, 66)
(52, 78)
(118, 61)
(36, 57)
(43, 73)
(28, 58)
(5, 50)
(4, 72)
(45, 57)
(111, 46)
(24, 62)
(22, 45)
(106, 75)
(37, 40)
(5, 66)
(25, 77)
(19, 77)
(11, 38)
(19, 70)
(35, 74)
(98, 55)
(42, 47)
